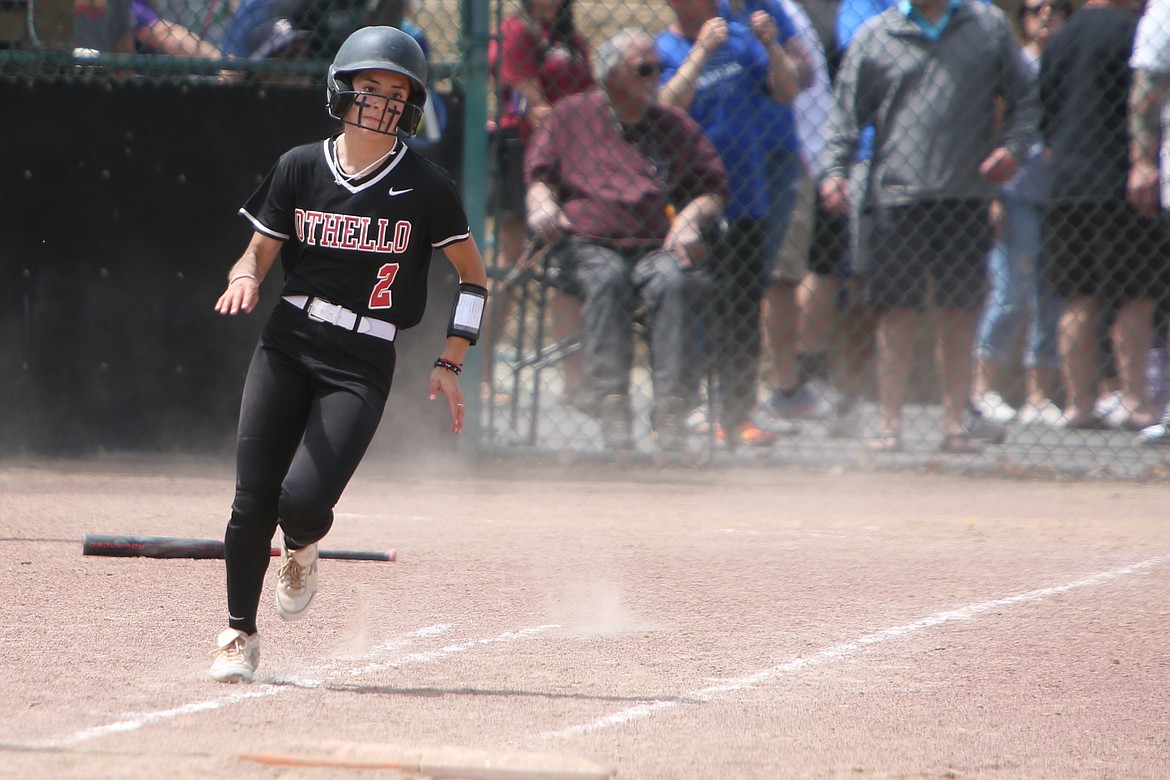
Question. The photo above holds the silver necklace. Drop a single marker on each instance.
(351, 178)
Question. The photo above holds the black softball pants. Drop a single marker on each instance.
(305, 425)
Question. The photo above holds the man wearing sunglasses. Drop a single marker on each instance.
(626, 190)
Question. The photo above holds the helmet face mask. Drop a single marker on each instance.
(376, 111)
(378, 48)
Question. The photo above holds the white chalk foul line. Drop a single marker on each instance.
(434, 655)
(318, 676)
(845, 649)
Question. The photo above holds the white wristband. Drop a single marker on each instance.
(238, 277)
(467, 312)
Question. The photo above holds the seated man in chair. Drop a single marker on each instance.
(629, 189)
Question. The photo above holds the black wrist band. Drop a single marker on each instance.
(454, 368)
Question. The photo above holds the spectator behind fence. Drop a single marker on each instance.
(267, 31)
(722, 73)
(1148, 188)
(829, 292)
(540, 59)
(851, 15)
(927, 75)
(157, 35)
(205, 19)
(783, 169)
(103, 26)
(845, 237)
(1019, 291)
(1098, 250)
(814, 301)
(278, 39)
(326, 23)
(831, 288)
(434, 122)
(627, 187)
(823, 16)
(330, 22)
(238, 38)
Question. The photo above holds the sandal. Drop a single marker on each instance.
(885, 443)
(960, 444)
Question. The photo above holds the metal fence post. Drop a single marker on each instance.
(474, 72)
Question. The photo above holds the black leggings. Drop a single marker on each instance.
(304, 427)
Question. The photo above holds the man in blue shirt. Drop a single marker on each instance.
(784, 168)
(723, 74)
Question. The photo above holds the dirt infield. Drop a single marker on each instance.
(740, 623)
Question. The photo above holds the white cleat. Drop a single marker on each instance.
(296, 582)
(235, 656)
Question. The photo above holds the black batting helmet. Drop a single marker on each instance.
(379, 48)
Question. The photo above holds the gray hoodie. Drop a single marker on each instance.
(932, 104)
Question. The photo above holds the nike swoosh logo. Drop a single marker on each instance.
(394, 192)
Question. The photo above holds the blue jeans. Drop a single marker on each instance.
(1019, 290)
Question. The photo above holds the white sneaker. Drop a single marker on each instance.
(296, 582)
(697, 421)
(766, 420)
(1158, 434)
(992, 407)
(1046, 413)
(810, 402)
(1108, 404)
(235, 657)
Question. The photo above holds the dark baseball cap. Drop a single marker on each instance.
(272, 37)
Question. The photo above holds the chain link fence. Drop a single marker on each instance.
(272, 41)
(927, 257)
(855, 235)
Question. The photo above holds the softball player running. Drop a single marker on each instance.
(354, 219)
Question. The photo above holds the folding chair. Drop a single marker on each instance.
(534, 280)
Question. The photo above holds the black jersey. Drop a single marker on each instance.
(365, 244)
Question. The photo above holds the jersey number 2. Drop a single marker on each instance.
(380, 297)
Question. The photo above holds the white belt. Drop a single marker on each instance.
(322, 310)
